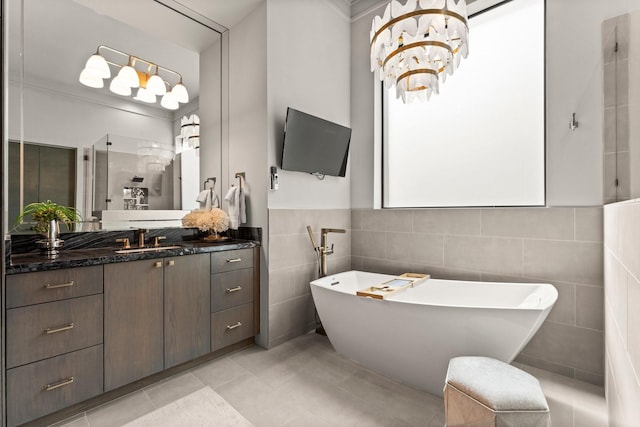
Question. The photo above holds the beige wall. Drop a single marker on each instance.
(622, 314)
(561, 246)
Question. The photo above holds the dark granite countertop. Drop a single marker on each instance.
(29, 262)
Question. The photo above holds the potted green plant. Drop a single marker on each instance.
(47, 215)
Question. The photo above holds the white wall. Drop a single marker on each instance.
(210, 115)
(574, 84)
(362, 113)
(309, 70)
(246, 148)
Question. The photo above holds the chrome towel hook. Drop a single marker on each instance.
(573, 124)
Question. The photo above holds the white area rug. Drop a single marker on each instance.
(204, 407)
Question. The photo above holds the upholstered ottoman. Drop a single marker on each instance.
(483, 392)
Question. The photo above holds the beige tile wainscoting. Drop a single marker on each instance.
(293, 264)
(622, 311)
(561, 246)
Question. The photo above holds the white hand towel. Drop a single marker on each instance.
(215, 202)
(232, 198)
(204, 198)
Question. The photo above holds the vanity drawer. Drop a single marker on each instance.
(231, 260)
(45, 330)
(231, 326)
(231, 289)
(43, 387)
(46, 286)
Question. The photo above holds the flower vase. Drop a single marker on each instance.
(54, 230)
(51, 245)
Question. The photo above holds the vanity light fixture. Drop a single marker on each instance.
(414, 45)
(149, 82)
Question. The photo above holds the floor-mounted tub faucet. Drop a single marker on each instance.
(323, 250)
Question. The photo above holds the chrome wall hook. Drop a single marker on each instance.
(573, 124)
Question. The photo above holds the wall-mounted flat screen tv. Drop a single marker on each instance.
(314, 145)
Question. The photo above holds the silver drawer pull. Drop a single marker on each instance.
(234, 259)
(60, 329)
(236, 289)
(62, 383)
(61, 285)
(232, 327)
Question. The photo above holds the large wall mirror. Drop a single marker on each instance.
(93, 147)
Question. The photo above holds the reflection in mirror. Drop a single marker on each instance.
(49, 107)
(51, 176)
(132, 174)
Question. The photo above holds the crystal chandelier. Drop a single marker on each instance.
(154, 156)
(414, 45)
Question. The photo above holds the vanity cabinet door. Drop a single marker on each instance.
(133, 321)
(186, 308)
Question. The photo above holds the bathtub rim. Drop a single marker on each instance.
(550, 293)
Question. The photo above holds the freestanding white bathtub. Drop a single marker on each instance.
(412, 334)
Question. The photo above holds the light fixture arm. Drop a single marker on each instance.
(132, 60)
(128, 77)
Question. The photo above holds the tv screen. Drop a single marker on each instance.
(314, 145)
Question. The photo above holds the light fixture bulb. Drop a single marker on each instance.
(156, 86)
(99, 66)
(129, 76)
(169, 102)
(119, 87)
(145, 95)
(180, 93)
(89, 78)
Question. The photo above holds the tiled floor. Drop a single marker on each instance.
(305, 383)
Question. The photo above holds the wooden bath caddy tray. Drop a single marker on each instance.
(390, 287)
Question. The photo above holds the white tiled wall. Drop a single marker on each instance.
(562, 246)
(622, 311)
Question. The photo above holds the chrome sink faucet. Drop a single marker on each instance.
(323, 250)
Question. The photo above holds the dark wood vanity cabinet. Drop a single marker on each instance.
(186, 309)
(75, 333)
(133, 321)
(54, 335)
(156, 316)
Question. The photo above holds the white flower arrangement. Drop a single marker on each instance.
(215, 220)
